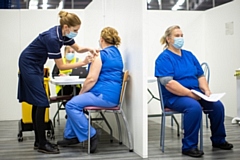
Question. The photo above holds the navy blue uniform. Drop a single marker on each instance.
(31, 65)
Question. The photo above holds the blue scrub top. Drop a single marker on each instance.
(184, 69)
(31, 65)
(110, 78)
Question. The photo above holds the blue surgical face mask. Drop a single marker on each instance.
(99, 44)
(69, 56)
(71, 34)
(178, 42)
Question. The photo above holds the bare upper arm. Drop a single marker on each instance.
(95, 68)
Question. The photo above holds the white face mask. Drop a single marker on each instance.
(99, 44)
(70, 56)
(71, 34)
(178, 42)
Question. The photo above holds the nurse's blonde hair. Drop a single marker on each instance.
(70, 19)
(168, 33)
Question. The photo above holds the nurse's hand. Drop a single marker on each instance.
(94, 51)
(88, 59)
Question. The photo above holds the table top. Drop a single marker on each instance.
(81, 81)
(67, 82)
(151, 79)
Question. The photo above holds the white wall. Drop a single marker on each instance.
(128, 22)
(10, 47)
(223, 52)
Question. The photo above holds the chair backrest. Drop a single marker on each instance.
(124, 85)
(160, 94)
(206, 70)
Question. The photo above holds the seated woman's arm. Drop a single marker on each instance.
(203, 85)
(93, 74)
(177, 89)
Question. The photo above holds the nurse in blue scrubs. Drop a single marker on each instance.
(31, 66)
(179, 72)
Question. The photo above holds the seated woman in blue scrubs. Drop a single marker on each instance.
(31, 67)
(101, 88)
(179, 72)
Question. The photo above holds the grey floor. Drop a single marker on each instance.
(10, 148)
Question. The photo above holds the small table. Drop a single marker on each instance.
(73, 82)
(62, 82)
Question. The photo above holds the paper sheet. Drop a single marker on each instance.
(212, 98)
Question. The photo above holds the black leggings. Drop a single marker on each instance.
(38, 116)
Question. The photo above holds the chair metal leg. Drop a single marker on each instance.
(109, 127)
(178, 128)
(163, 132)
(59, 108)
(128, 131)
(119, 128)
(57, 114)
(89, 124)
(206, 120)
(172, 120)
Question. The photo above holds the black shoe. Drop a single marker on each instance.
(193, 152)
(225, 145)
(47, 148)
(66, 142)
(94, 143)
(36, 144)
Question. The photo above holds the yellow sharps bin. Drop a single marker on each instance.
(27, 108)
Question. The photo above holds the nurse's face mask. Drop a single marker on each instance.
(99, 42)
(72, 31)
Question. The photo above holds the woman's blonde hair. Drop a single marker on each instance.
(70, 19)
(168, 33)
(66, 49)
(110, 35)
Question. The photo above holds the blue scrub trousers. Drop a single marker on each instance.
(77, 123)
(192, 110)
